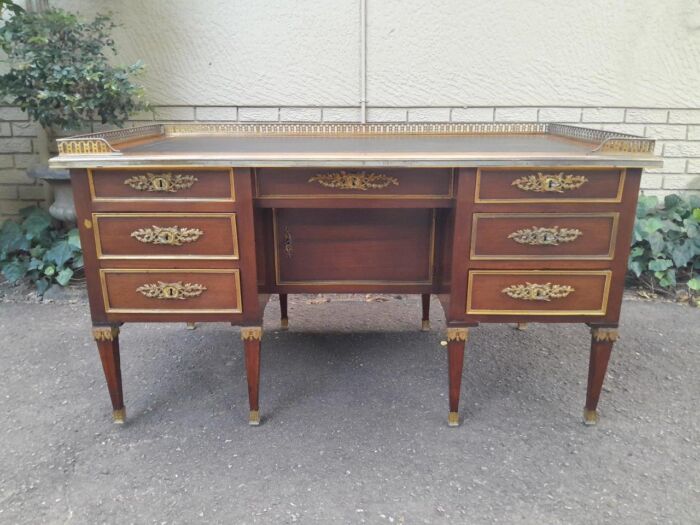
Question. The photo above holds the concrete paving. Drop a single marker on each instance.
(354, 430)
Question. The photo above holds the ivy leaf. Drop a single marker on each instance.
(682, 254)
(637, 267)
(36, 223)
(696, 214)
(42, 285)
(660, 265)
(60, 253)
(694, 284)
(74, 238)
(12, 239)
(64, 276)
(14, 270)
(651, 225)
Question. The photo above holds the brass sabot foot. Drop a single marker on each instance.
(284, 323)
(590, 417)
(453, 419)
(191, 326)
(119, 416)
(254, 418)
(425, 325)
(521, 326)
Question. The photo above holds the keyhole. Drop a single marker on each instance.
(170, 292)
(160, 183)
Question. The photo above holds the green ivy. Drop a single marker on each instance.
(59, 73)
(666, 245)
(35, 249)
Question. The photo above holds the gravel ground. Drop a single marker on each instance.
(354, 411)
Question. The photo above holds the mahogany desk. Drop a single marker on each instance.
(503, 222)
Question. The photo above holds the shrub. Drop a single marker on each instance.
(59, 73)
(666, 245)
(34, 248)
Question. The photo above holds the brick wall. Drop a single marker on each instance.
(18, 151)
(677, 132)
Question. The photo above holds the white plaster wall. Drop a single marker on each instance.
(627, 53)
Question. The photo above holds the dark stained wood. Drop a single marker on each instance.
(283, 310)
(497, 184)
(209, 184)
(425, 306)
(217, 235)
(425, 235)
(487, 293)
(455, 358)
(251, 348)
(597, 367)
(111, 365)
(364, 246)
(495, 236)
(400, 183)
(220, 290)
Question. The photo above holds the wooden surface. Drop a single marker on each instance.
(452, 232)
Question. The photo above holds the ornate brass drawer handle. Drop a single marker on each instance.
(161, 182)
(354, 181)
(287, 243)
(538, 292)
(168, 235)
(538, 236)
(178, 290)
(551, 183)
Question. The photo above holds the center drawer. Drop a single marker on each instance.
(165, 235)
(391, 183)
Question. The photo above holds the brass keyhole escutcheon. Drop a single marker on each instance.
(161, 183)
(166, 237)
(170, 292)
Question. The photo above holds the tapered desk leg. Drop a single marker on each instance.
(284, 320)
(456, 340)
(251, 337)
(107, 339)
(425, 299)
(602, 340)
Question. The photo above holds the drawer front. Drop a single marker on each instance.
(165, 235)
(549, 185)
(496, 292)
(354, 183)
(173, 184)
(532, 236)
(171, 291)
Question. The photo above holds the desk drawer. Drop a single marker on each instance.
(533, 292)
(533, 236)
(171, 291)
(173, 184)
(165, 235)
(392, 183)
(502, 185)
